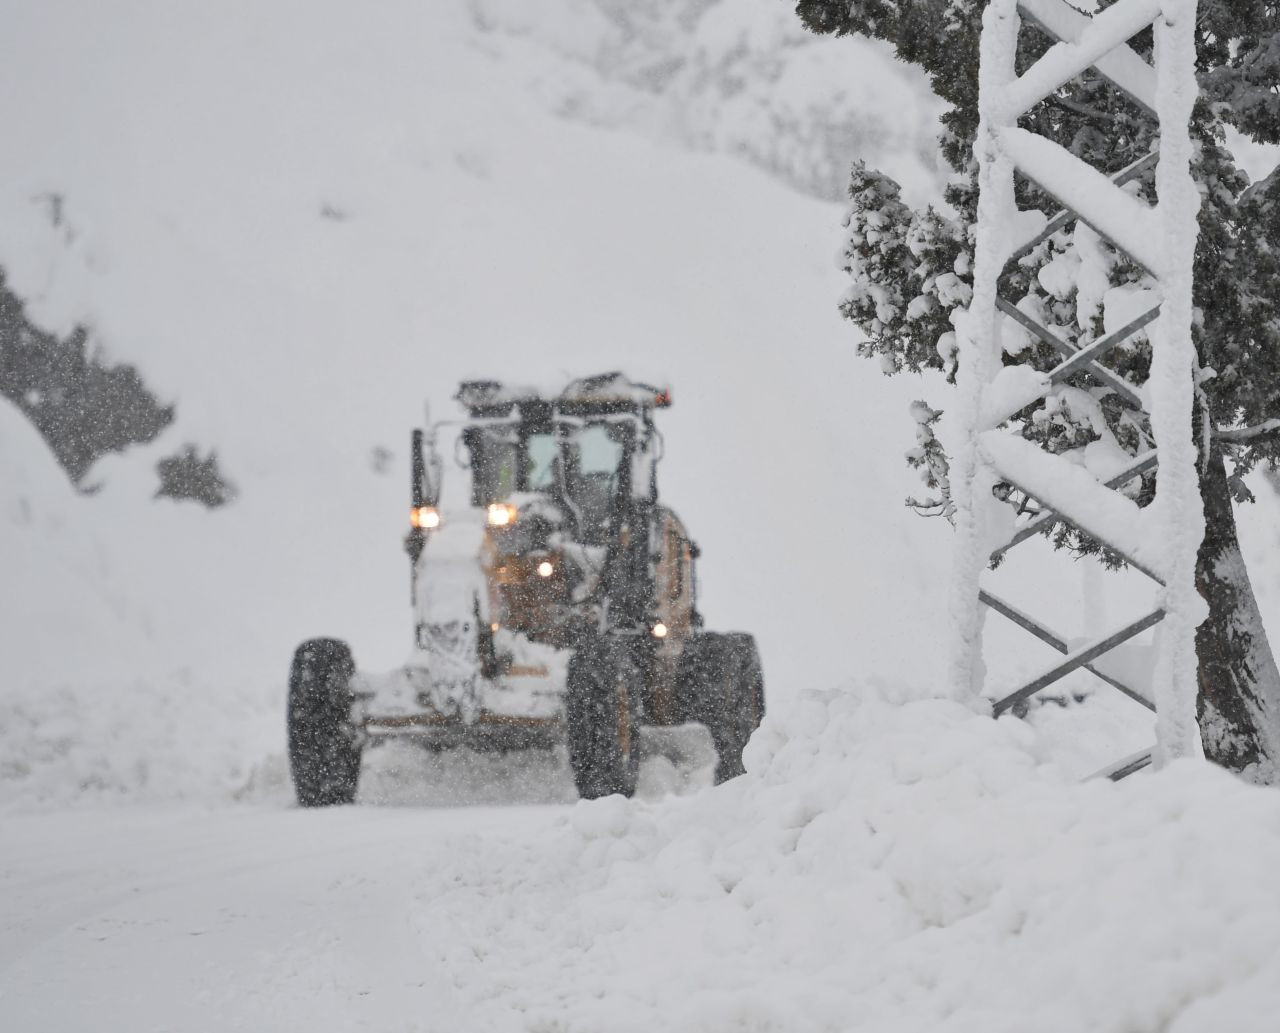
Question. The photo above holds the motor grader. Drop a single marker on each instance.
(554, 600)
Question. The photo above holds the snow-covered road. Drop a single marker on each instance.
(262, 916)
(239, 918)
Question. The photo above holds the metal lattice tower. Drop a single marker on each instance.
(1162, 539)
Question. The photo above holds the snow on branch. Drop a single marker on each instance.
(1240, 435)
(930, 458)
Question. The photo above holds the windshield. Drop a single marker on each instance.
(502, 463)
(540, 454)
(593, 456)
(598, 452)
(582, 464)
(493, 464)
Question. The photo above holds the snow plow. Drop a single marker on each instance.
(554, 602)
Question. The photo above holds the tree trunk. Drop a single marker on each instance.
(1239, 703)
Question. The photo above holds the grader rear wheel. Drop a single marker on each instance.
(602, 709)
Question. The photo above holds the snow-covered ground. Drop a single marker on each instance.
(889, 864)
(303, 220)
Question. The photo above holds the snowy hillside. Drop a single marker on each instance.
(95, 698)
(302, 236)
(737, 77)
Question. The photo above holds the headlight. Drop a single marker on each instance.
(424, 517)
(546, 568)
(501, 514)
(659, 630)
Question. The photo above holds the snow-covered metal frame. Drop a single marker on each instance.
(1160, 540)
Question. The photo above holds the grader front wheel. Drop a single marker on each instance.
(323, 756)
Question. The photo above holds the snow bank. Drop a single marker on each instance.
(145, 740)
(888, 863)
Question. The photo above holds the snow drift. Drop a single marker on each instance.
(888, 863)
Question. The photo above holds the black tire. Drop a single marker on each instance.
(323, 756)
(720, 683)
(602, 712)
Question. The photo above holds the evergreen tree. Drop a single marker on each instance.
(86, 407)
(911, 269)
(83, 406)
(187, 475)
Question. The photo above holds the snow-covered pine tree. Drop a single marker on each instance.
(910, 271)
